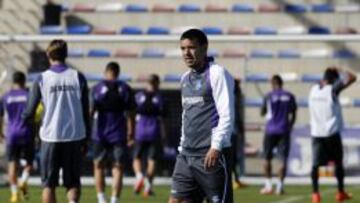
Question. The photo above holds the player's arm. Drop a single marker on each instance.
(33, 101)
(293, 113)
(347, 78)
(85, 104)
(223, 93)
(130, 116)
(264, 107)
(2, 112)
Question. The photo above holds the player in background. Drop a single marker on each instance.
(326, 122)
(112, 106)
(65, 125)
(149, 133)
(207, 91)
(238, 138)
(19, 135)
(280, 110)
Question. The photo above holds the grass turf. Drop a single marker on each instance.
(295, 194)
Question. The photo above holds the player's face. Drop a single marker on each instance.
(109, 75)
(193, 54)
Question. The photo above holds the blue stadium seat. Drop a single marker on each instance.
(356, 103)
(250, 102)
(303, 102)
(189, 8)
(244, 8)
(152, 53)
(311, 78)
(295, 8)
(51, 30)
(213, 53)
(319, 30)
(212, 30)
(99, 53)
(261, 53)
(155, 30)
(76, 53)
(79, 29)
(99, 77)
(172, 78)
(344, 54)
(322, 8)
(136, 8)
(258, 77)
(131, 30)
(289, 53)
(265, 30)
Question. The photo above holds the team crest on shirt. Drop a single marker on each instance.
(215, 199)
(155, 100)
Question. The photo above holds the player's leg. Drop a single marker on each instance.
(119, 158)
(50, 165)
(137, 166)
(337, 156)
(284, 149)
(234, 158)
(213, 181)
(318, 150)
(268, 147)
(13, 155)
(72, 169)
(183, 186)
(152, 155)
(99, 165)
(28, 153)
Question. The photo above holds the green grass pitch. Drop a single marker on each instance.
(295, 194)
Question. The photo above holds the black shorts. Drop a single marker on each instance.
(148, 149)
(115, 153)
(61, 155)
(280, 142)
(190, 180)
(327, 149)
(15, 152)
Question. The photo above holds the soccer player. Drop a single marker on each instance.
(65, 125)
(326, 124)
(149, 131)
(19, 135)
(238, 138)
(280, 110)
(112, 108)
(207, 91)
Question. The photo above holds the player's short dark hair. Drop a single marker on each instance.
(195, 34)
(331, 74)
(113, 67)
(57, 50)
(154, 78)
(19, 78)
(278, 80)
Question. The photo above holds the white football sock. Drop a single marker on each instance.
(13, 189)
(101, 197)
(24, 177)
(114, 200)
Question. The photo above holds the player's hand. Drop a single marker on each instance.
(130, 142)
(211, 158)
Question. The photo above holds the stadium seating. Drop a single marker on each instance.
(172, 78)
(344, 54)
(99, 53)
(289, 53)
(109, 7)
(215, 8)
(103, 31)
(212, 30)
(79, 29)
(265, 30)
(153, 53)
(261, 53)
(131, 30)
(322, 8)
(311, 78)
(51, 30)
(295, 8)
(189, 8)
(100, 77)
(243, 8)
(318, 30)
(253, 102)
(163, 8)
(75, 53)
(158, 31)
(83, 8)
(268, 8)
(260, 77)
(136, 8)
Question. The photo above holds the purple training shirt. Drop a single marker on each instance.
(279, 104)
(111, 99)
(13, 103)
(149, 108)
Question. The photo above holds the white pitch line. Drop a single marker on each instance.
(302, 197)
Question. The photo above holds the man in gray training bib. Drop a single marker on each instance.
(202, 168)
